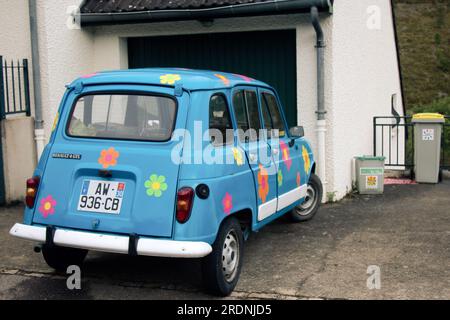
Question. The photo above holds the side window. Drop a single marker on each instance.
(220, 127)
(247, 116)
(272, 115)
(240, 111)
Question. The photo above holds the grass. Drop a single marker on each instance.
(424, 41)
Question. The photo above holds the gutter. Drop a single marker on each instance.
(38, 119)
(239, 10)
(321, 112)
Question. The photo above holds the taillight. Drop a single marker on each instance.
(185, 199)
(32, 188)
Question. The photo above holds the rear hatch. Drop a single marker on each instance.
(110, 168)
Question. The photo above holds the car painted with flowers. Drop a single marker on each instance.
(167, 163)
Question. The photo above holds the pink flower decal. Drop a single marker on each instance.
(246, 79)
(87, 76)
(47, 207)
(227, 203)
(286, 155)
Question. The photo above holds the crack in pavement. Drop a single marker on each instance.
(237, 294)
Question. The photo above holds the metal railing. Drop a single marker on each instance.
(393, 138)
(14, 88)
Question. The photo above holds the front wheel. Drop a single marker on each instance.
(308, 209)
(221, 269)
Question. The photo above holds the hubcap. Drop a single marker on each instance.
(310, 202)
(230, 256)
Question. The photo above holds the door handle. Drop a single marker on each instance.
(252, 157)
(275, 152)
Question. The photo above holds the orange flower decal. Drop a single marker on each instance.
(306, 159)
(285, 154)
(108, 158)
(224, 79)
(298, 179)
(227, 203)
(263, 183)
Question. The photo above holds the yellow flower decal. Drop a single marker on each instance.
(55, 122)
(306, 159)
(170, 79)
(223, 78)
(156, 186)
(280, 178)
(238, 156)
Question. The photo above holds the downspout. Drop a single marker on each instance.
(39, 134)
(321, 112)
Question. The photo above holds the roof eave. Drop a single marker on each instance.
(242, 10)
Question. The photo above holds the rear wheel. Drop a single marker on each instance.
(59, 258)
(221, 269)
(308, 209)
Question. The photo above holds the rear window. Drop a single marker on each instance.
(123, 116)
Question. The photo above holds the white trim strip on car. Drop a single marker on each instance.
(267, 209)
(271, 207)
(114, 243)
(292, 196)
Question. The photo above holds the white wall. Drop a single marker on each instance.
(15, 29)
(364, 76)
(65, 54)
(19, 155)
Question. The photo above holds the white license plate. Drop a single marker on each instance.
(101, 196)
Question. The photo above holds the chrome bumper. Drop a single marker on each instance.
(113, 243)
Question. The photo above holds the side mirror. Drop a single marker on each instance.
(297, 132)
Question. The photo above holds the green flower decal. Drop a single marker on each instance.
(156, 186)
(280, 178)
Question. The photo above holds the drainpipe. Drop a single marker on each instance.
(39, 134)
(321, 112)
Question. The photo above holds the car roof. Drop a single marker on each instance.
(189, 79)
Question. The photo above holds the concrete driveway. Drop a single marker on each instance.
(405, 232)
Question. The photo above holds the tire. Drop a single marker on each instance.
(59, 258)
(308, 209)
(220, 279)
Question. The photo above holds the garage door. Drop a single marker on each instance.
(269, 56)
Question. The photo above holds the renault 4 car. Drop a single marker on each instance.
(167, 163)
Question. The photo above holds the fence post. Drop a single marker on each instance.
(374, 136)
(2, 91)
(26, 78)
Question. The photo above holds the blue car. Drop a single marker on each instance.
(167, 163)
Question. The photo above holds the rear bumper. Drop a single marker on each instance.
(113, 243)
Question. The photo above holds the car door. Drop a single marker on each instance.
(247, 115)
(287, 153)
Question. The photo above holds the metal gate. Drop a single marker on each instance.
(14, 100)
(393, 138)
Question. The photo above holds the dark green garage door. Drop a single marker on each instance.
(269, 56)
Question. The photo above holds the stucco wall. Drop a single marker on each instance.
(364, 77)
(65, 54)
(15, 30)
(19, 155)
